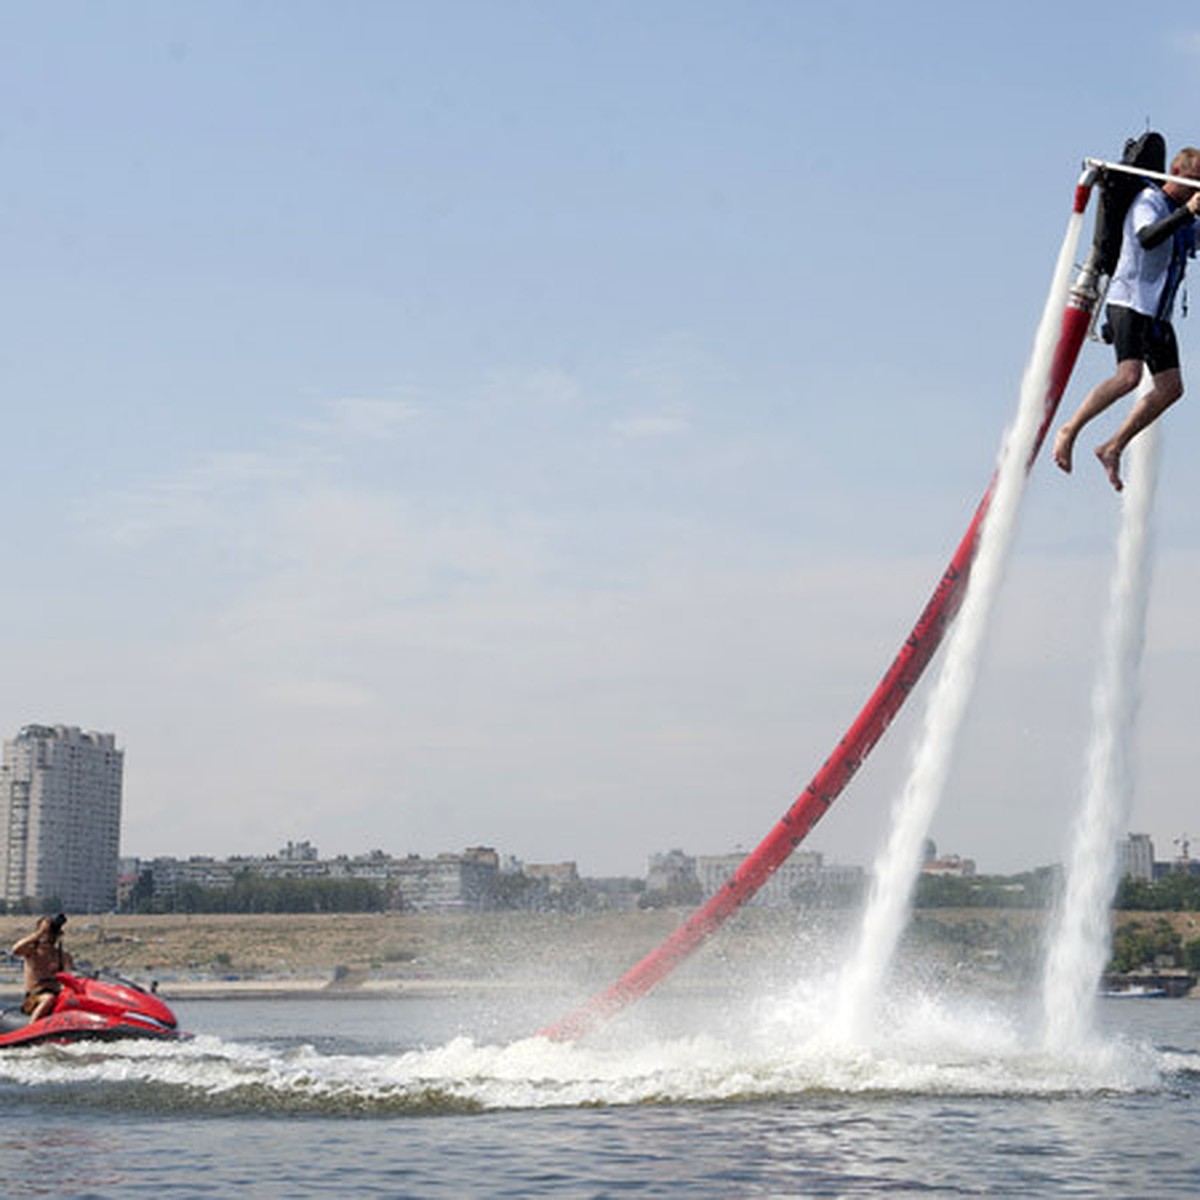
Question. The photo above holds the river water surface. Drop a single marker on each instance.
(691, 1097)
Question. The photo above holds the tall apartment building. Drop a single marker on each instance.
(60, 818)
(1136, 855)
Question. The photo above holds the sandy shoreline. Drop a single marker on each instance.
(334, 956)
(304, 989)
(398, 955)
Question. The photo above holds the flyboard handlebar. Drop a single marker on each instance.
(1100, 165)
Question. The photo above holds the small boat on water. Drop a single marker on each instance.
(1135, 991)
(92, 1008)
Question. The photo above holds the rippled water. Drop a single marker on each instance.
(703, 1097)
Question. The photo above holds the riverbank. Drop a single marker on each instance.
(202, 955)
(208, 955)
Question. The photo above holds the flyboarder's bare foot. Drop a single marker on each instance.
(1110, 460)
(1064, 443)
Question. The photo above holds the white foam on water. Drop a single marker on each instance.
(935, 1047)
(1079, 943)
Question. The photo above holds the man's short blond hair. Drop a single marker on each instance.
(1186, 162)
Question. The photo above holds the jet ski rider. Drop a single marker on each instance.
(44, 957)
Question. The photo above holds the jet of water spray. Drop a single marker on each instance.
(898, 865)
(1078, 946)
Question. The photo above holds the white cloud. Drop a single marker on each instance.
(1187, 42)
(678, 368)
(193, 498)
(533, 389)
(650, 426)
(318, 693)
(364, 417)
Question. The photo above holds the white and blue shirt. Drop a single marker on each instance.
(1147, 280)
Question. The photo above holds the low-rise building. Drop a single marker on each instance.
(950, 864)
(803, 881)
(447, 882)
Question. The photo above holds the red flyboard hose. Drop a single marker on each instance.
(876, 715)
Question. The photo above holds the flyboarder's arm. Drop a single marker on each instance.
(1155, 234)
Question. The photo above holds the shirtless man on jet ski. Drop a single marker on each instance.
(44, 957)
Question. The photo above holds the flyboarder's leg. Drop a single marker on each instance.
(1167, 388)
(1101, 397)
(1110, 460)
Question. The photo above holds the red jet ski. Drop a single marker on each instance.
(89, 1007)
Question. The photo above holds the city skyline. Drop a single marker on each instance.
(1138, 851)
(297, 878)
(101, 776)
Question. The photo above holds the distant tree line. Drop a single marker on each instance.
(31, 906)
(1177, 891)
(1032, 889)
(680, 893)
(251, 892)
(515, 891)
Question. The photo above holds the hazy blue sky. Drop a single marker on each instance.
(539, 424)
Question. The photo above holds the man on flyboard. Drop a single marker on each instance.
(1158, 237)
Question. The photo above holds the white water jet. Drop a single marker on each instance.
(898, 865)
(1078, 946)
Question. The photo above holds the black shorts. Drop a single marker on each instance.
(47, 987)
(1136, 336)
